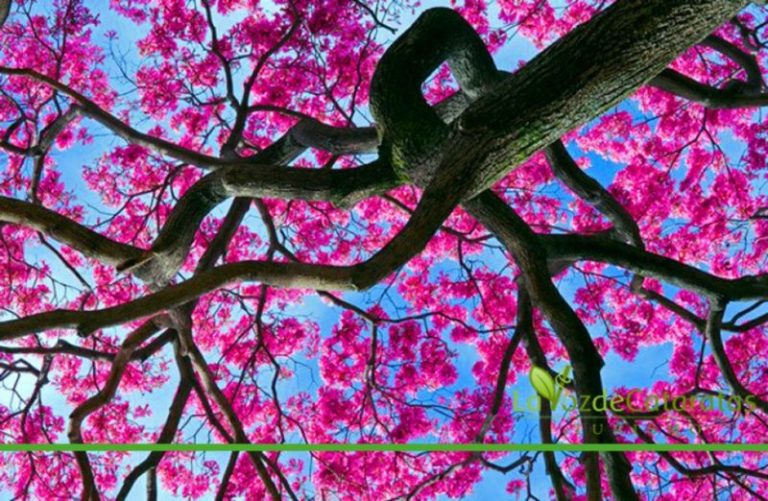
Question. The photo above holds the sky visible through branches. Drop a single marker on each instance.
(689, 172)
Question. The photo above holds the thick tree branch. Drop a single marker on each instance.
(747, 61)
(584, 73)
(411, 130)
(433, 208)
(734, 94)
(531, 258)
(172, 245)
(589, 190)
(66, 231)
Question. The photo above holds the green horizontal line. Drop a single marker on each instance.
(381, 447)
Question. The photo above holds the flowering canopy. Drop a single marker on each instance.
(290, 221)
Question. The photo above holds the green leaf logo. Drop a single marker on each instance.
(544, 384)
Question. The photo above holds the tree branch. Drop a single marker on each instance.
(600, 249)
(76, 418)
(531, 258)
(172, 245)
(66, 231)
(589, 190)
(714, 336)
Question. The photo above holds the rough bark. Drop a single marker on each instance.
(586, 72)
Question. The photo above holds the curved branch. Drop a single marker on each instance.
(714, 336)
(605, 250)
(747, 61)
(76, 418)
(172, 245)
(410, 128)
(531, 257)
(686, 87)
(166, 436)
(592, 192)
(66, 231)
(735, 93)
(434, 207)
